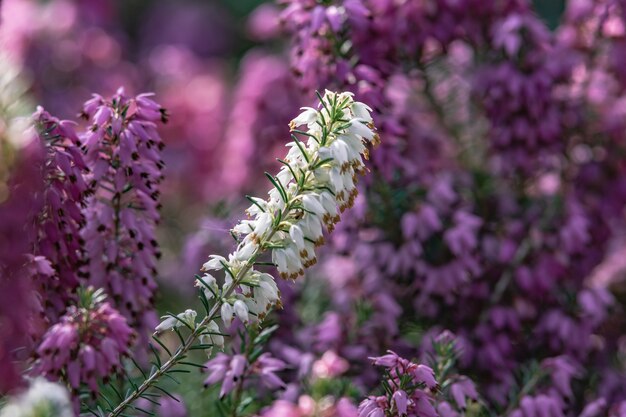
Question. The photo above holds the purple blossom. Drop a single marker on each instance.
(232, 371)
(86, 346)
(61, 219)
(414, 398)
(123, 150)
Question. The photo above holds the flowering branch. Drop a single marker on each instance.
(317, 181)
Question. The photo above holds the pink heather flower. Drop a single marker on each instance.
(414, 397)
(86, 346)
(230, 371)
(424, 374)
(562, 370)
(330, 365)
(123, 150)
(373, 407)
(266, 367)
(595, 408)
(401, 400)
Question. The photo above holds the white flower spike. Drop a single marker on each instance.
(316, 182)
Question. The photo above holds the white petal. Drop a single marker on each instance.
(241, 310)
(361, 110)
(358, 128)
(227, 314)
(308, 116)
(214, 264)
(166, 324)
(295, 232)
(312, 204)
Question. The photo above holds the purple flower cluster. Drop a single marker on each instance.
(86, 346)
(409, 390)
(123, 150)
(232, 371)
(61, 219)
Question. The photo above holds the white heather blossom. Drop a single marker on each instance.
(310, 203)
(214, 264)
(186, 317)
(307, 117)
(241, 311)
(211, 282)
(227, 313)
(297, 236)
(246, 250)
(42, 399)
(362, 111)
(316, 182)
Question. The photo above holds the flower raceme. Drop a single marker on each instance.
(86, 345)
(317, 182)
(409, 390)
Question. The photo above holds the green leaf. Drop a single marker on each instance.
(293, 174)
(278, 186)
(299, 144)
(252, 200)
(166, 393)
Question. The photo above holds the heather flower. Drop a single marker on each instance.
(86, 346)
(123, 152)
(316, 182)
(317, 32)
(60, 221)
(186, 318)
(230, 371)
(306, 406)
(410, 389)
(594, 408)
(41, 399)
(521, 96)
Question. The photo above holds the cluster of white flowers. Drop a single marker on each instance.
(42, 399)
(317, 182)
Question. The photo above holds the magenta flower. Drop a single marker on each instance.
(231, 371)
(60, 221)
(413, 396)
(86, 346)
